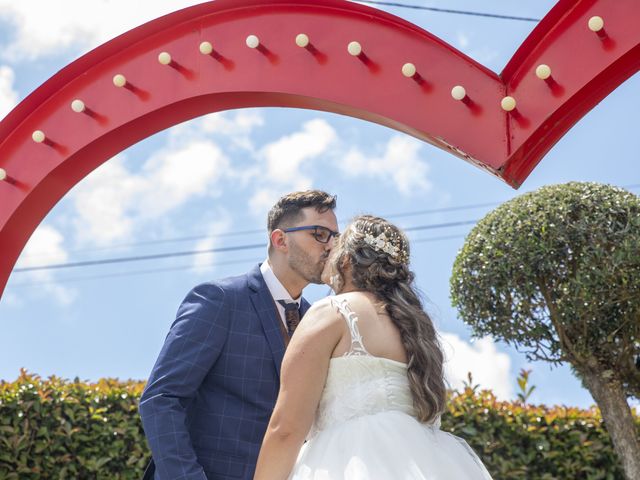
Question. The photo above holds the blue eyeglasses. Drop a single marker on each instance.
(320, 233)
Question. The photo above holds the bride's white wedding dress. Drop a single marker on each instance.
(365, 428)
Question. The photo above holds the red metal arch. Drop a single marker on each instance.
(585, 67)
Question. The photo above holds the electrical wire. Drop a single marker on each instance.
(447, 10)
(181, 267)
(237, 247)
(137, 258)
(260, 230)
(263, 230)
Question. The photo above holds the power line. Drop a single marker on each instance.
(446, 10)
(138, 258)
(263, 230)
(436, 239)
(130, 273)
(256, 231)
(180, 267)
(241, 247)
(106, 261)
(440, 225)
(168, 240)
(441, 210)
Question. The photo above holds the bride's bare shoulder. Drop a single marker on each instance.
(361, 301)
(323, 308)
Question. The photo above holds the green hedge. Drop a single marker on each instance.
(70, 430)
(533, 442)
(59, 429)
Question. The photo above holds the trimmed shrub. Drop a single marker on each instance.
(59, 429)
(56, 428)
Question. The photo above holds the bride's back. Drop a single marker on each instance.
(380, 336)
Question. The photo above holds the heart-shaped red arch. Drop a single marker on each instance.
(585, 66)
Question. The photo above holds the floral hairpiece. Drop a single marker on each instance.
(382, 243)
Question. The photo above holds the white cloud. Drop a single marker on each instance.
(285, 156)
(102, 202)
(46, 242)
(8, 96)
(263, 199)
(11, 299)
(466, 43)
(236, 126)
(400, 162)
(486, 56)
(233, 130)
(113, 201)
(42, 28)
(202, 262)
(172, 177)
(489, 368)
(284, 159)
(463, 40)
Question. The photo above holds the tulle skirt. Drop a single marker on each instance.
(387, 446)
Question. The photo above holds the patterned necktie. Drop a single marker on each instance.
(291, 315)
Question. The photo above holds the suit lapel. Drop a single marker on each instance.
(263, 303)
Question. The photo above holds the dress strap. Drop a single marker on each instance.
(357, 347)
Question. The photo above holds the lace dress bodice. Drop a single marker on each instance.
(366, 427)
(359, 383)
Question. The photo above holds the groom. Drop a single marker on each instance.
(211, 392)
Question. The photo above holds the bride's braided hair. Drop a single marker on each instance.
(379, 256)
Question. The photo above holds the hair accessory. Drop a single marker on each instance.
(382, 243)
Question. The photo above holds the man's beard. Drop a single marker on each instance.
(302, 263)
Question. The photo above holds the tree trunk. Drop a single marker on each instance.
(618, 421)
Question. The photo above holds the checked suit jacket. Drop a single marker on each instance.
(212, 390)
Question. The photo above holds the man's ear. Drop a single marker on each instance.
(279, 240)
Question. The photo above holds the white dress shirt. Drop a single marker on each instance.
(277, 290)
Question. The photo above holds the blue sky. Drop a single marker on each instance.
(208, 183)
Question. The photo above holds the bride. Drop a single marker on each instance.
(362, 379)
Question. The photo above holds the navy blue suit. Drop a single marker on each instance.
(210, 395)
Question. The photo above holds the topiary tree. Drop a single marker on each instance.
(556, 273)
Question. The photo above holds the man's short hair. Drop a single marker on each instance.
(288, 209)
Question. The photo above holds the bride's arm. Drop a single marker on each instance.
(303, 374)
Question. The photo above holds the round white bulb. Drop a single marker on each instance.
(409, 70)
(458, 92)
(206, 48)
(119, 80)
(78, 106)
(354, 48)
(253, 41)
(38, 136)
(543, 71)
(596, 24)
(3, 174)
(302, 40)
(164, 58)
(508, 104)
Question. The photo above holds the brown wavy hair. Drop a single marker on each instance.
(392, 282)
